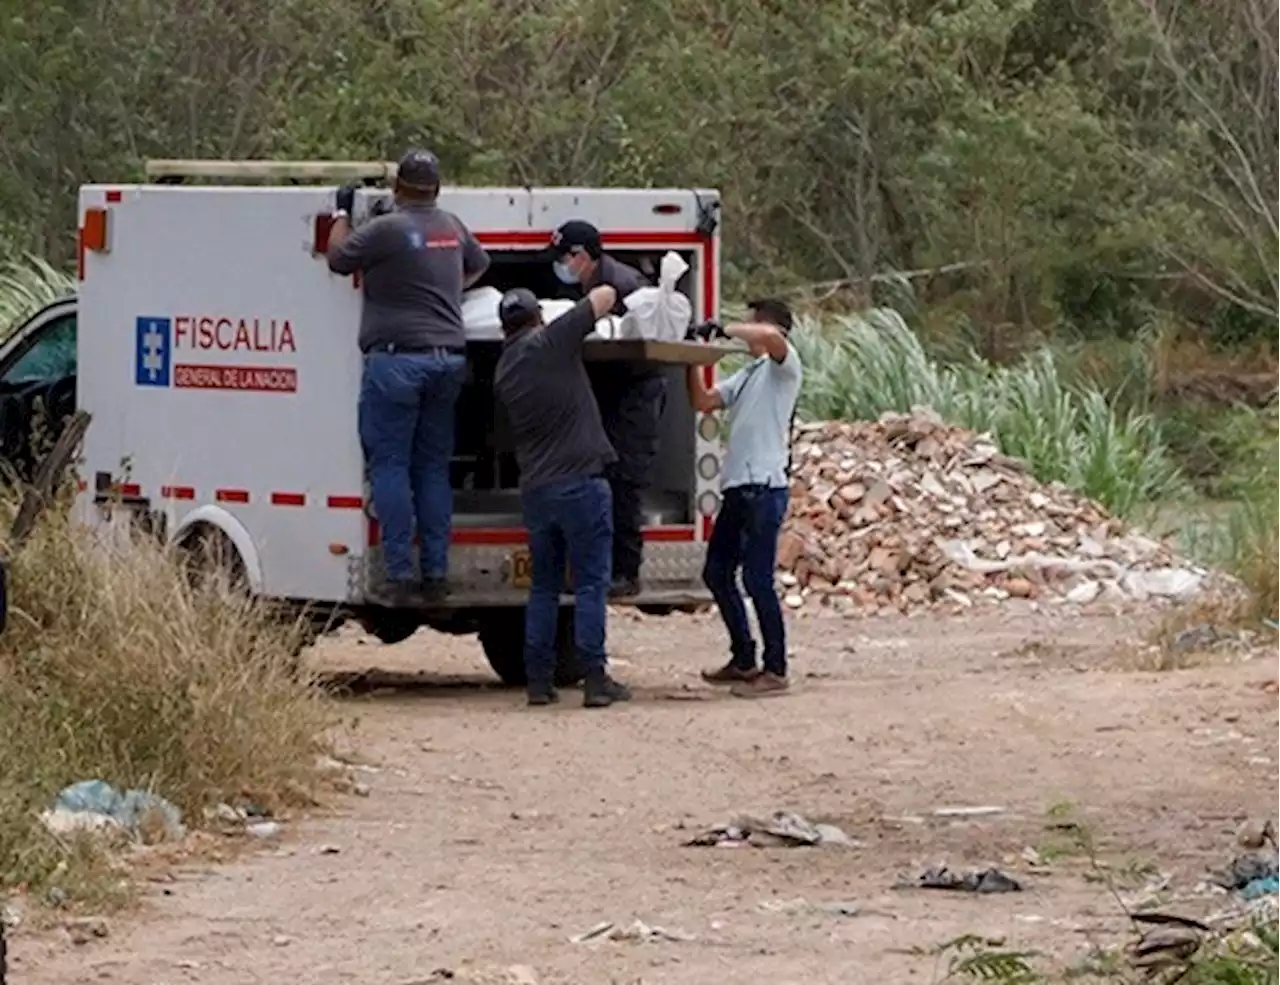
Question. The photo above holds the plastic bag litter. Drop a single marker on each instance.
(659, 314)
(95, 805)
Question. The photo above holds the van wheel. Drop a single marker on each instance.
(391, 626)
(209, 555)
(502, 636)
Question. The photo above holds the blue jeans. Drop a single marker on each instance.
(406, 429)
(746, 536)
(567, 519)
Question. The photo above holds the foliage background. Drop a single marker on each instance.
(1081, 161)
(1066, 200)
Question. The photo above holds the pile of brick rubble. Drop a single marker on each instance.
(909, 512)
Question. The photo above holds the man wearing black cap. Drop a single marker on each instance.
(415, 263)
(562, 452)
(631, 398)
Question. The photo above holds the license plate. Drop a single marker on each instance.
(521, 568)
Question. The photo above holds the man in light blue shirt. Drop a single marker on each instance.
(755, 486)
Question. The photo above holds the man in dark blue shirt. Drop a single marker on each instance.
(563, 453)
(632, 398)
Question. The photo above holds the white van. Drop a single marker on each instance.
(217, 356)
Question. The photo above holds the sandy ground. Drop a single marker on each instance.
(493, 833)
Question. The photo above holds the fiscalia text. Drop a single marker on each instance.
(233, 334)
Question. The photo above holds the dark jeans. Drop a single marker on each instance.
(569, 519)
(406, 428)
(631, 406)
(746, 536)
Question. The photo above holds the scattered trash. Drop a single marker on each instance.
(282, 940)
(262, 829)
(84, 929)
(225, 814)
(968, 811)
(784, 829)
(1170, 943)
(636, 932)
(1246, 869)
(802, 905)
(516, 974)
(1255, 833)
(95, 805)
(972, 881)
(1266, 886)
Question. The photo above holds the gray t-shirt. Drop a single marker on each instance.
(554, 419)
(414, 262)
(761, 400)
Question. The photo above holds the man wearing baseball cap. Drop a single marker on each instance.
(631, 397)
(415, 262)
(563, 453)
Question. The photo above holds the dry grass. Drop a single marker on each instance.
(114, 667)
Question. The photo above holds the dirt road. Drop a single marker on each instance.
(494, 833)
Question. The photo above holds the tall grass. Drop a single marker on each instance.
(26, 286)
(114, 667)
(859, 366)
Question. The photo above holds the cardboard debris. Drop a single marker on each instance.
(909, 512)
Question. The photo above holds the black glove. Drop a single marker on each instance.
(381, 206)
(708, 330)
(345, 200)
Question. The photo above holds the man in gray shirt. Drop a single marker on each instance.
(415, 262)
(755, 486)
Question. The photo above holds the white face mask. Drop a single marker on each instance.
(566, 275)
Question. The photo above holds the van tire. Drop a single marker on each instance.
(391, 626)
(502, 637)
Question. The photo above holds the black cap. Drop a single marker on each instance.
(574, 235)
(518, 309)
(419, 170)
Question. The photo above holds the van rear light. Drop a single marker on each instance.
(93, 234)
(708, 428)
(668, 208)
(321, 228)
(708, 466)
(708, 503)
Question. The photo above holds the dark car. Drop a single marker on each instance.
(37, 386)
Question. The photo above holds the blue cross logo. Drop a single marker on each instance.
(152, 350)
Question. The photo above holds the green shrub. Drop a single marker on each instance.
(859, 366)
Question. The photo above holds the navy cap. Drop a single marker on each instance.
(419, 170)
(517, 309)
(576, 234)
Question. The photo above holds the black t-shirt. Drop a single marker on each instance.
(553, 414)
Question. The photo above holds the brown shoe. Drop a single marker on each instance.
(730, 673)
(763, 685)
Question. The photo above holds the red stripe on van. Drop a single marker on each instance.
(608, 238)
(345, 502)
(177, 492)
(288, 499)
(130, 489)
(231, 495)
(115, 195)
(515, 536)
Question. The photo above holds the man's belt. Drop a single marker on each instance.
(399, 349)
